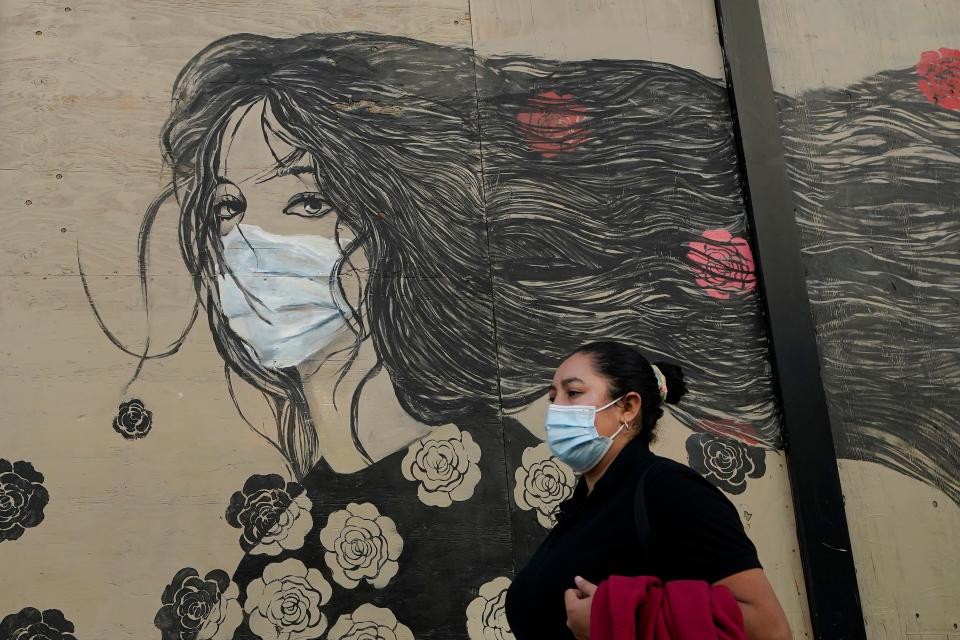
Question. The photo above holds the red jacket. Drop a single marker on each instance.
(643, 608)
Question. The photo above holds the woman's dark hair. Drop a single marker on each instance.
(495, 248)
(595, 241)
(628, 370)
(390, 127)
(877, 198)
(483, 275)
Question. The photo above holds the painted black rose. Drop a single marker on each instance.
(260, 505)
(725, 462)
(192, 604)
(133, 420)
(22, 498)
(31, 624)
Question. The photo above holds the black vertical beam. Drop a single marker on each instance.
(824, 539)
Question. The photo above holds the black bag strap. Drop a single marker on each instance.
(640, 519)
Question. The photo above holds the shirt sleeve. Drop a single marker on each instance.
(696, 532)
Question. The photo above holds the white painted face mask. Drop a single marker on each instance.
(277, 295)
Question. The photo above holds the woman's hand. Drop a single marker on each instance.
(578, 602)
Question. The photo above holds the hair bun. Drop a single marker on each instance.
(676, 386)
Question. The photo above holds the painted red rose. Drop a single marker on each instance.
(939, 73)
(746, 433)
(722, 264)
(552, 123)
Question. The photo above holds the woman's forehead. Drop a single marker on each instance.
(251, 145)
(579, 366)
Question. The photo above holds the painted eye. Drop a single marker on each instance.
(229, 207)
(307, 205)
(228, 201)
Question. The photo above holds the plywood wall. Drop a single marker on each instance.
(872, 128)
(142, 481)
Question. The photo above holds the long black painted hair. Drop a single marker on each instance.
(499, 242)
(876, 176)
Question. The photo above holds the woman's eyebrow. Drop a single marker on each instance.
(277, 172)
(295, 170)
(291, 164)
(569, 380)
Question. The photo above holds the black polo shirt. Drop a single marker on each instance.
(695, 533)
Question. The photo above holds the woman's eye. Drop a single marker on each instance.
(229, 207)
(228, 201)
(307, 205)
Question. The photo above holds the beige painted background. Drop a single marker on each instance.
(84, 90)
(905, 534)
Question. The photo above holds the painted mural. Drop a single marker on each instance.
(354, 218)
(873, 156)
(874, 169)
(373, 221)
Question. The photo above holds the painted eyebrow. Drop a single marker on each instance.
(295, 170)
(292, 162)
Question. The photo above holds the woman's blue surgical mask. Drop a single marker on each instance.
(277, 293)
(573, 438)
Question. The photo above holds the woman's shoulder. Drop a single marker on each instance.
(697, 530)
(675, 486)
(641, 466)
(660, 465)
(658, 470)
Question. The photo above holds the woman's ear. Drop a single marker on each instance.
(632, 404)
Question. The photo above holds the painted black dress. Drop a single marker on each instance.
(429, 536)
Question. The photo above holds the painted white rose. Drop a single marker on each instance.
(486, 614)
(290, 529)
(360, 545)
(224, 617)
(542, 483)
(444, 462)
(284, 603)
(369, 623)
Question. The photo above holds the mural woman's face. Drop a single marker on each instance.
(276, 223)
(257, 189)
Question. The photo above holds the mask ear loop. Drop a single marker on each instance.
(623, 425)
(610, 404)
